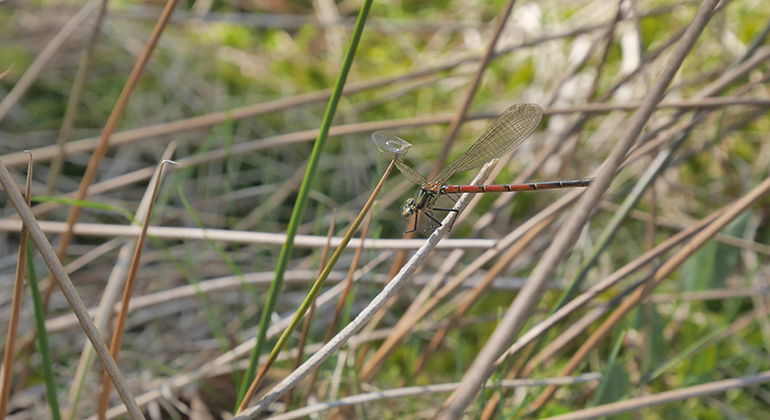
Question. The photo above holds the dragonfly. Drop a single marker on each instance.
(504, 135)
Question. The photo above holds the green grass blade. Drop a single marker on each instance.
(85, 204)
(302, 198)
(42, 336)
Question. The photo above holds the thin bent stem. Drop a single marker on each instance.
(16, 302)
(103, 313)
(128, 291)
(489, 54)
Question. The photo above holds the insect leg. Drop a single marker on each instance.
(430, 215)
(455, 211)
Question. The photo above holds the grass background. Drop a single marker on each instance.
(242, 173)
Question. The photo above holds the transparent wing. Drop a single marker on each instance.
(501, 137)
(409, 172)
(391, 144)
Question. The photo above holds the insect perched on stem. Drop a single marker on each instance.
(503, 136)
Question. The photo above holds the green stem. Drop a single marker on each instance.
(42, 336)
(302, 199)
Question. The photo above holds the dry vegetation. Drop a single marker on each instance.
(644, 296)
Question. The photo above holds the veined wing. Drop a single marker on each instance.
(501, 137)
(389, 143)
(409, 172)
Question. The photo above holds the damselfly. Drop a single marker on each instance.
(502, 136)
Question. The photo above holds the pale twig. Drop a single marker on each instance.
(241, 237)
(416, 391)
(666, 397)
(365, 315)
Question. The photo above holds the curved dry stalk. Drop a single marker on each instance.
(109, 296)
(660, 275)
(6, 370)
(365, 315)
(68, 289)
(666, 397)
(519, 310)
(128, 291)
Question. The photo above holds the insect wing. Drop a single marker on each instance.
(409, 172)
(504, 135)
(391, 144)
